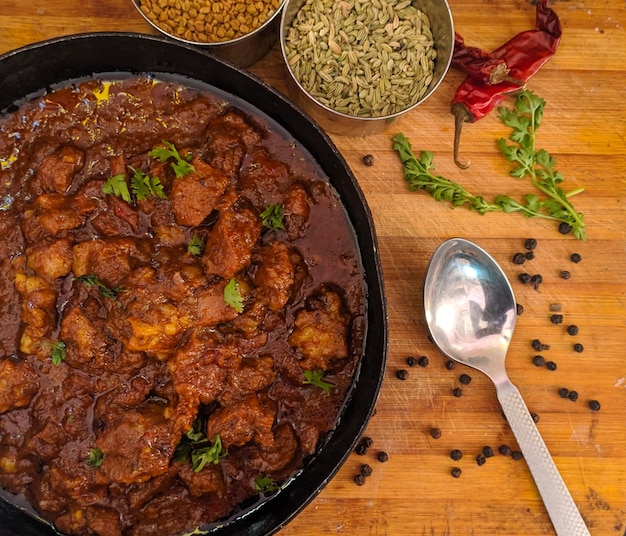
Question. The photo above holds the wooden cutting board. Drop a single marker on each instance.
(584, 127)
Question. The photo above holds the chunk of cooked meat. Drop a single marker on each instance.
(50, 215)
(209, 480)
(110, 259)
(228, 136)
(139, 444)
(242, 421)
(229, 246)
(210, 307)
(276, 275)
(50, 259)
(38, 312)
(296, 208)
(18, 384)
(84, 339)
(263, 178)
(58, 169)
(321, 332)
(197, 194)
(200, 368)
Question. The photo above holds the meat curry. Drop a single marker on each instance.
(183, 306)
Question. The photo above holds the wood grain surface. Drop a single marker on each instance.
(584, 127)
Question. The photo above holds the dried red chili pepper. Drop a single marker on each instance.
(524, 55)
(478, 63)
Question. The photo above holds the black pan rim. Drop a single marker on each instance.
(23, 73)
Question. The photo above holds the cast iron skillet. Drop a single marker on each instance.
(34, 68)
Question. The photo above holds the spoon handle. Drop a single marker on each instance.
(561, 507)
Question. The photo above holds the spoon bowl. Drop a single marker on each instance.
(471, 311)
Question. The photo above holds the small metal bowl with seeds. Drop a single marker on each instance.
(356, 65)
(239, 31)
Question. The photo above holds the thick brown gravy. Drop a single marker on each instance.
(165, 353)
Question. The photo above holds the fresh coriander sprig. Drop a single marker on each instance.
(232, 295)
(264, 484)
(58, 351)
(180, 165)
(95, 458)
(196, 445)
(273, 218)
(195, 246)
(145, 186)
(315, 377)
(116, 185)
(92, 280)
(418, 175)
(538, 165)
(524, 119)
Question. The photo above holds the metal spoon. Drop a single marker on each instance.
(470, 311)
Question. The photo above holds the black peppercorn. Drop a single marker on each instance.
(519, 308)
(564, 228)
(551, 365)
(456, 472)
(366, 469)
(411, 361)
(516, 455)
(530, 244)
(538, 346)
(575, 257)
(457, 392)
(594, 405)
(450, 365)
(505, 450)
(530, 255)
(435, 433)
(563, 392)
(535, 417)
(359, 480)
(423, 361)
(572, 330)
(573, 396)
(565, 274)
(556, 319)
(360, 449)
(519, 258)
(539, 361)
(368, 160)
(524, 278)
(367, 441)
(480, 459)
(382, 456)
(555, 307)
(402, 374)
(578, 348)
(536, 280)
(488, 451)
(465, 379)
(456, 455)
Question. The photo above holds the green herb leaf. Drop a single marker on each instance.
(95, 458)
(519, 148)
(144, 186)
(272, 217)
(180, 165)
(92, 280)
(196, 246)
(315, 377)
(117, 186)
(264, 484)
(57, 351)
(232, 296)
(208, 454)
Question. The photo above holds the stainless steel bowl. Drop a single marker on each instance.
(242, 51)
(442, 26)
